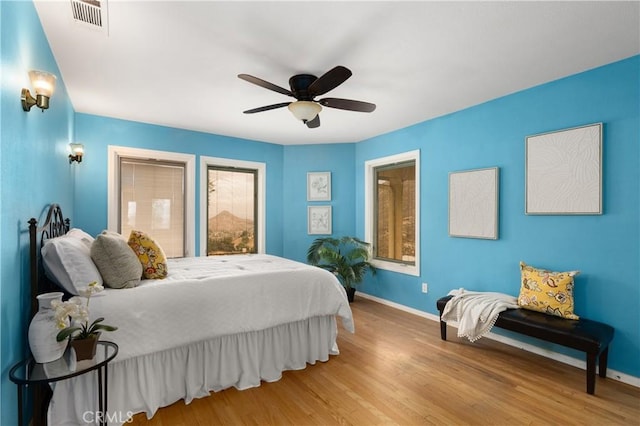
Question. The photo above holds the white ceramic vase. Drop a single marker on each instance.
(43, 330)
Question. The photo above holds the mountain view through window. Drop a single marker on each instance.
(231, 211)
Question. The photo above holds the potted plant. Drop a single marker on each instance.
(84, 336)
(346, 257)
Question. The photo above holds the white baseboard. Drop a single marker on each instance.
(582, 364)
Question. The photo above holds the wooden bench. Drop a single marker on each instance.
(584, 335)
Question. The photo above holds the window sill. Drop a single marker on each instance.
(401, 268)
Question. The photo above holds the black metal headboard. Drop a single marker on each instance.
(54, 226)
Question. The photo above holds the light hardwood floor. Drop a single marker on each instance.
(396, 370)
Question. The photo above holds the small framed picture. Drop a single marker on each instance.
(319, 186)
(318, 220)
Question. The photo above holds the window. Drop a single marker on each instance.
(152, 200)
(394, 232)
(392, 211)
(232, 206)
(231, 210)
(149, 191)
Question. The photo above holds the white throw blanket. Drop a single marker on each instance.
(476, 312)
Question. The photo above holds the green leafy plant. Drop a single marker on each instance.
(78, 311)
(346, 257)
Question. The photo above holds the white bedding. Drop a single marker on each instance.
(253, 316)
(216, 296)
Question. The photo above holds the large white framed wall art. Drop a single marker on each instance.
(564, 172)
(473, 203)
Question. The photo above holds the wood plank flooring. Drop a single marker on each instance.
(396, 370)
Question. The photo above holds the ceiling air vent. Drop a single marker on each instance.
(92, 13)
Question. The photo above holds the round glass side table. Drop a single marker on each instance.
(28, 372)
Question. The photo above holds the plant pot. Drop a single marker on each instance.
(85, 348)
(43, 330)
(351, 293)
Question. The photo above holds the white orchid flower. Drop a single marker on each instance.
(77, 309)
(90, 290)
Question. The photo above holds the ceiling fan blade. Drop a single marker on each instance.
(266, 108)
(312, 124)
(347, 104)
(329, 81)
(262, 83)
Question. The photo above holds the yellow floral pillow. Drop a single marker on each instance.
(150, 254)
(547, 292)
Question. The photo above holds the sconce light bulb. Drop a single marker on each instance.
(44, 84)
(77, 151)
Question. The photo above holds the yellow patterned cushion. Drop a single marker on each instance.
(150, 254)
(547, 292)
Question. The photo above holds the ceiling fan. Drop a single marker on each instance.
(304, 88)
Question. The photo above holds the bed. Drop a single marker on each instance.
(211, 324)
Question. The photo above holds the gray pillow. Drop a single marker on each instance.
(117, 263)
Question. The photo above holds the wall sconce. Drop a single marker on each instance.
(43, 83)
(77, 151)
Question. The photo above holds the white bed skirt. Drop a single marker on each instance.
(146, 383)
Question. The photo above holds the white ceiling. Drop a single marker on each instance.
(175, 63)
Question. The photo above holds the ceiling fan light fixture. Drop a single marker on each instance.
(304, 88)
(305, 110)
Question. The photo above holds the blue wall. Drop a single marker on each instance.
(298, 161)
(605, 248)
(97, 133)
(287, 168)
(34, 171)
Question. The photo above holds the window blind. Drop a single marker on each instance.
(152, 199)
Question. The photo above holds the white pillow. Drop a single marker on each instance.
(79, 234)
(67, 262)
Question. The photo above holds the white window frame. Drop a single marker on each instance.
(369, 216)
(113, 185)
(205, 162)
